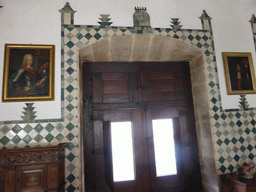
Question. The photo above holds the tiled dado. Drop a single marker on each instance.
(233, 132)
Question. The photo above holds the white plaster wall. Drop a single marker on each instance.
(38, 22)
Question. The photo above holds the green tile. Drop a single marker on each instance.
(49, 137)
(79, 36)
(60, 127)
(70, 107)
(231, 168)
(4, 140)
(223, 116)
(70, 98)
(251, 156)
(28, 128)
(254, 130)
(38, 138)
(236, 158)
(70, 88)
(215, 108)
(70, 146)
(221, 159)
(27, 139)
(234, 140)
(70, 44)
(207, 53)
(231, 124)
(16, 139)
(218, 133)
(70, 136)
(5, 129)
(230, 115)
(246, 123)
(71, 157)
(235, 149)
(229, 158)
(197, 37)
(238, 115)
(241, 140)
(223, 168)
(39, 128)
(97, 36)
(226, 141)
(252, 114)
(70, 28)
(71, 178)
(211, 84)
(190, 37)
(70, 126)
(49, 127)
(247, 131)
(16, 129)
(71, 167)
(242, 148)
(59, 137)
(244, 114)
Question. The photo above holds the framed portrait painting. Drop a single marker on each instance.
(28, 73)
(239, 73)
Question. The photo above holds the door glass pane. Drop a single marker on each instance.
(122, 151)
(164, 147)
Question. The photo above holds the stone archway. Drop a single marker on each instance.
(148, 47)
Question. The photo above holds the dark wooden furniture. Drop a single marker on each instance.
(233, 183)
(39, 169)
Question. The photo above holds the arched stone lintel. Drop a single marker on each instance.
(144, 47)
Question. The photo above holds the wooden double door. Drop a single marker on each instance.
(139, 93)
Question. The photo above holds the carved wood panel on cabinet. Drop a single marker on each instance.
(32, 169)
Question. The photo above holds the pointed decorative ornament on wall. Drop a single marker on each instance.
(243, 103)
(105, 21)
(175, 24)
(29, 113)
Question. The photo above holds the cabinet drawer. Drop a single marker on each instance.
(32, 178)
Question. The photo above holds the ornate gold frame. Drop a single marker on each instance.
(239, 73)
(12, 59)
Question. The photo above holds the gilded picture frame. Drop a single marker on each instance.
(239, 73)
(28, 73)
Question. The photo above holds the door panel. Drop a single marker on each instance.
(140, 92)
(164, 181)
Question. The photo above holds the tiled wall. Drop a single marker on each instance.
(233, 132)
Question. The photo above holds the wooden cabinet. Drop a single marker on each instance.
(38, 169)
(233, 183)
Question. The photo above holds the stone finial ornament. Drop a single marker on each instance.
(253, 24)
(141, 19)
(176, 24)
(206, 21)
(67, 15)
(67, 8)
(105, 20)
(253, 19)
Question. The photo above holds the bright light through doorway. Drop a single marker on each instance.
(164, 147)
(122, 151)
